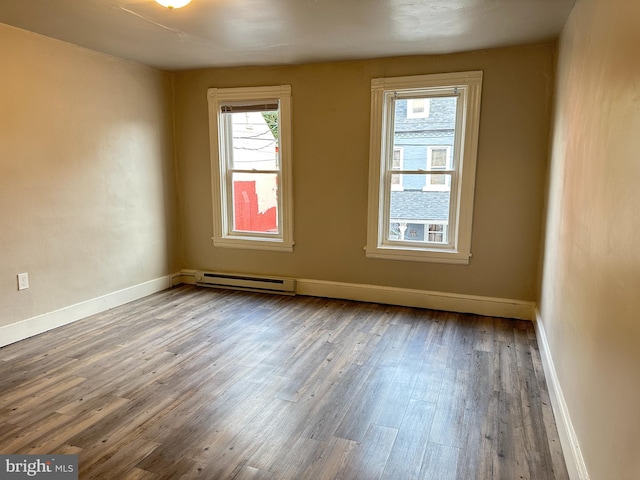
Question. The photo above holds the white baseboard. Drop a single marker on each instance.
(33, 326)
(186, 276)
(451, 302)
(570, 446)
(366, 293)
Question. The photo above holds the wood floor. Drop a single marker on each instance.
(214, 384)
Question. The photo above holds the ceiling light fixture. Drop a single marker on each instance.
(173, 3)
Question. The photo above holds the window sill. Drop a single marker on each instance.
(418, 255)
(253, 244)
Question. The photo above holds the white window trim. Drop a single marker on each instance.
(222, 231)
(459, 251)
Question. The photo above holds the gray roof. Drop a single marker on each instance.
(419, 205)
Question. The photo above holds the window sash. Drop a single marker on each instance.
(388, 124)
(227, 134)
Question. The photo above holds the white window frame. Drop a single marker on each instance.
(223, 234)
(467, 86)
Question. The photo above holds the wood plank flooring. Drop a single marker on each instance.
(215, 384)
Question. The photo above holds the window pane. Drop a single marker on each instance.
(426, 143)
(419, 199)
(414, 208)
(254, 140)
(255, 202)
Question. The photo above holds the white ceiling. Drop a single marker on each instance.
(210, 33)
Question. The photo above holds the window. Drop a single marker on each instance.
(250, 139)
(418, 108)
(396, 179)
(437, 233)
(438, 158)
(430, 218)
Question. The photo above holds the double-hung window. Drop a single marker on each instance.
(250, 140)
(429, 218)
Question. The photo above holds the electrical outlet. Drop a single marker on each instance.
(23, 281)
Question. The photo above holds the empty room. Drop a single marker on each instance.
(319, 239)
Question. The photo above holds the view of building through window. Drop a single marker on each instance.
(420, 200)
(254, 169)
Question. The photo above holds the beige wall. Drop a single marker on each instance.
(330, 162)
(87, 183)
(590, 303)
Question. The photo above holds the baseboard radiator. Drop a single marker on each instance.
(251, 283)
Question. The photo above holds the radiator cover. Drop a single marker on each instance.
(247, 282)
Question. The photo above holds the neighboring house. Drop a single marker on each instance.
(423, 140)
(255, 194)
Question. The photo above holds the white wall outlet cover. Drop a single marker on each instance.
(23, 281)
